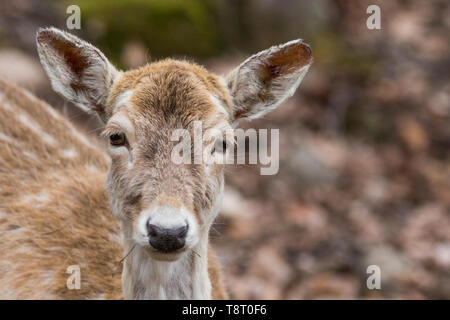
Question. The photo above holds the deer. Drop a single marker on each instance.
(66, 199)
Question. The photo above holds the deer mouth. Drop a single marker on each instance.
(165, 255)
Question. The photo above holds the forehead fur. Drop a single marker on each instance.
(171, 89)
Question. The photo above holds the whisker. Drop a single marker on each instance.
(121, 261)
(196, 253)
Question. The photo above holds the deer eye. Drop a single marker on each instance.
(220, 146)
(117, 139)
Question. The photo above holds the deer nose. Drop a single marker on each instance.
(167, 240)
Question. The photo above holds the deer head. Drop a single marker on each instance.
(166, 209)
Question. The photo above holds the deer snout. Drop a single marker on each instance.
(166, 231)
(167, 239)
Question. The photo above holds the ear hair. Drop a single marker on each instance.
(77, 70)
(265, 80)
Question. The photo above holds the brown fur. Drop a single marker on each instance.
(71, 224)
(54, 211)
(74, 227)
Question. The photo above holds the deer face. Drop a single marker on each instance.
(164, 206)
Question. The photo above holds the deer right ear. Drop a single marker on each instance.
(77, 70)
(265, 80)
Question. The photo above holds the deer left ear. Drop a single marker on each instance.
(265, 80)
(77, 70)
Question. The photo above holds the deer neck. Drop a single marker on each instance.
(187, 278)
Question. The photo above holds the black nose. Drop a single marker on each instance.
(166, 240)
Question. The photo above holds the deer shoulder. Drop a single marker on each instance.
(54, 212)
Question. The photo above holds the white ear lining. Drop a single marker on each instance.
(87, 84)
(256, 91)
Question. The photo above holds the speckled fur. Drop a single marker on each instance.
(54, 211)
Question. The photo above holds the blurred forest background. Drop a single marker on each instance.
(364, 144)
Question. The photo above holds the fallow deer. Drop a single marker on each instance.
(55, 182)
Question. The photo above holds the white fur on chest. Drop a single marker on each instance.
(146, 278)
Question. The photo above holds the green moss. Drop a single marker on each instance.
(331, 50)
(167, 28)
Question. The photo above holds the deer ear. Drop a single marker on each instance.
(77, 70)
(265, 80)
